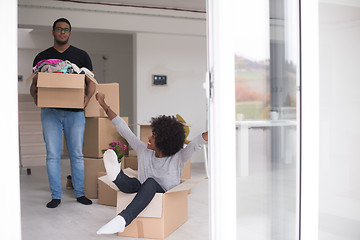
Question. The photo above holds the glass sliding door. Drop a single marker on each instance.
(254, 107)
(266, 82)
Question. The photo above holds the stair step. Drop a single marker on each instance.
(30, 133)
(31, 137)
(33, 160)
(32, 148)
(29, 116)
(28, 106)
(25, 98)
(30, 126)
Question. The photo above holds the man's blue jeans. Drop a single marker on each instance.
(145, 193)
(72, 123)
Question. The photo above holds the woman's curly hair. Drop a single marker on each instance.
(169, 134)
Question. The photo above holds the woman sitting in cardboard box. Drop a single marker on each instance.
(160, 163)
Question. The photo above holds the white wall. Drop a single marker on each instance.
(9, 179)
(183, 60)
(340, 98)
(339, 118)
(110, 53)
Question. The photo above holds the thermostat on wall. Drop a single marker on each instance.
(159, 79)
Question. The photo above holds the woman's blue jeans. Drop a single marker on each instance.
(145, 193)
(72, 123)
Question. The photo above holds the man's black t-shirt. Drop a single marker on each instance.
(73, 54)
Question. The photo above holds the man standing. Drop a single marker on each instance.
(55, 121)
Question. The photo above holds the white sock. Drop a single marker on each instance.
(117, 224)
(111, 163)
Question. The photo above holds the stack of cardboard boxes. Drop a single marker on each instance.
(99, 132)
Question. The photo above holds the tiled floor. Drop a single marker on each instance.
(72, 220)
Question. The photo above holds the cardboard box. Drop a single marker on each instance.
(99, 132)
(61, 90)
(111, 91)
(186, 174)
(106, 195)
(132, 153)
(164, 214)
(92, 167)
(145, 132)
(129, 162)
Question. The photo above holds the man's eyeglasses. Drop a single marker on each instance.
(60, 29)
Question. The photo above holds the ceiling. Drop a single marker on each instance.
(180, 5)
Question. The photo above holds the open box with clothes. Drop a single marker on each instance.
(165, 213)
(60, 84)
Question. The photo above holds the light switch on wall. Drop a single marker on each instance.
(159, 79)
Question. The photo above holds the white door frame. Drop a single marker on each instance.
(221, 121)
(9, 147)
(222, 117)
(309, 125)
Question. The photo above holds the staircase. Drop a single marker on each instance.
(32, 146)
